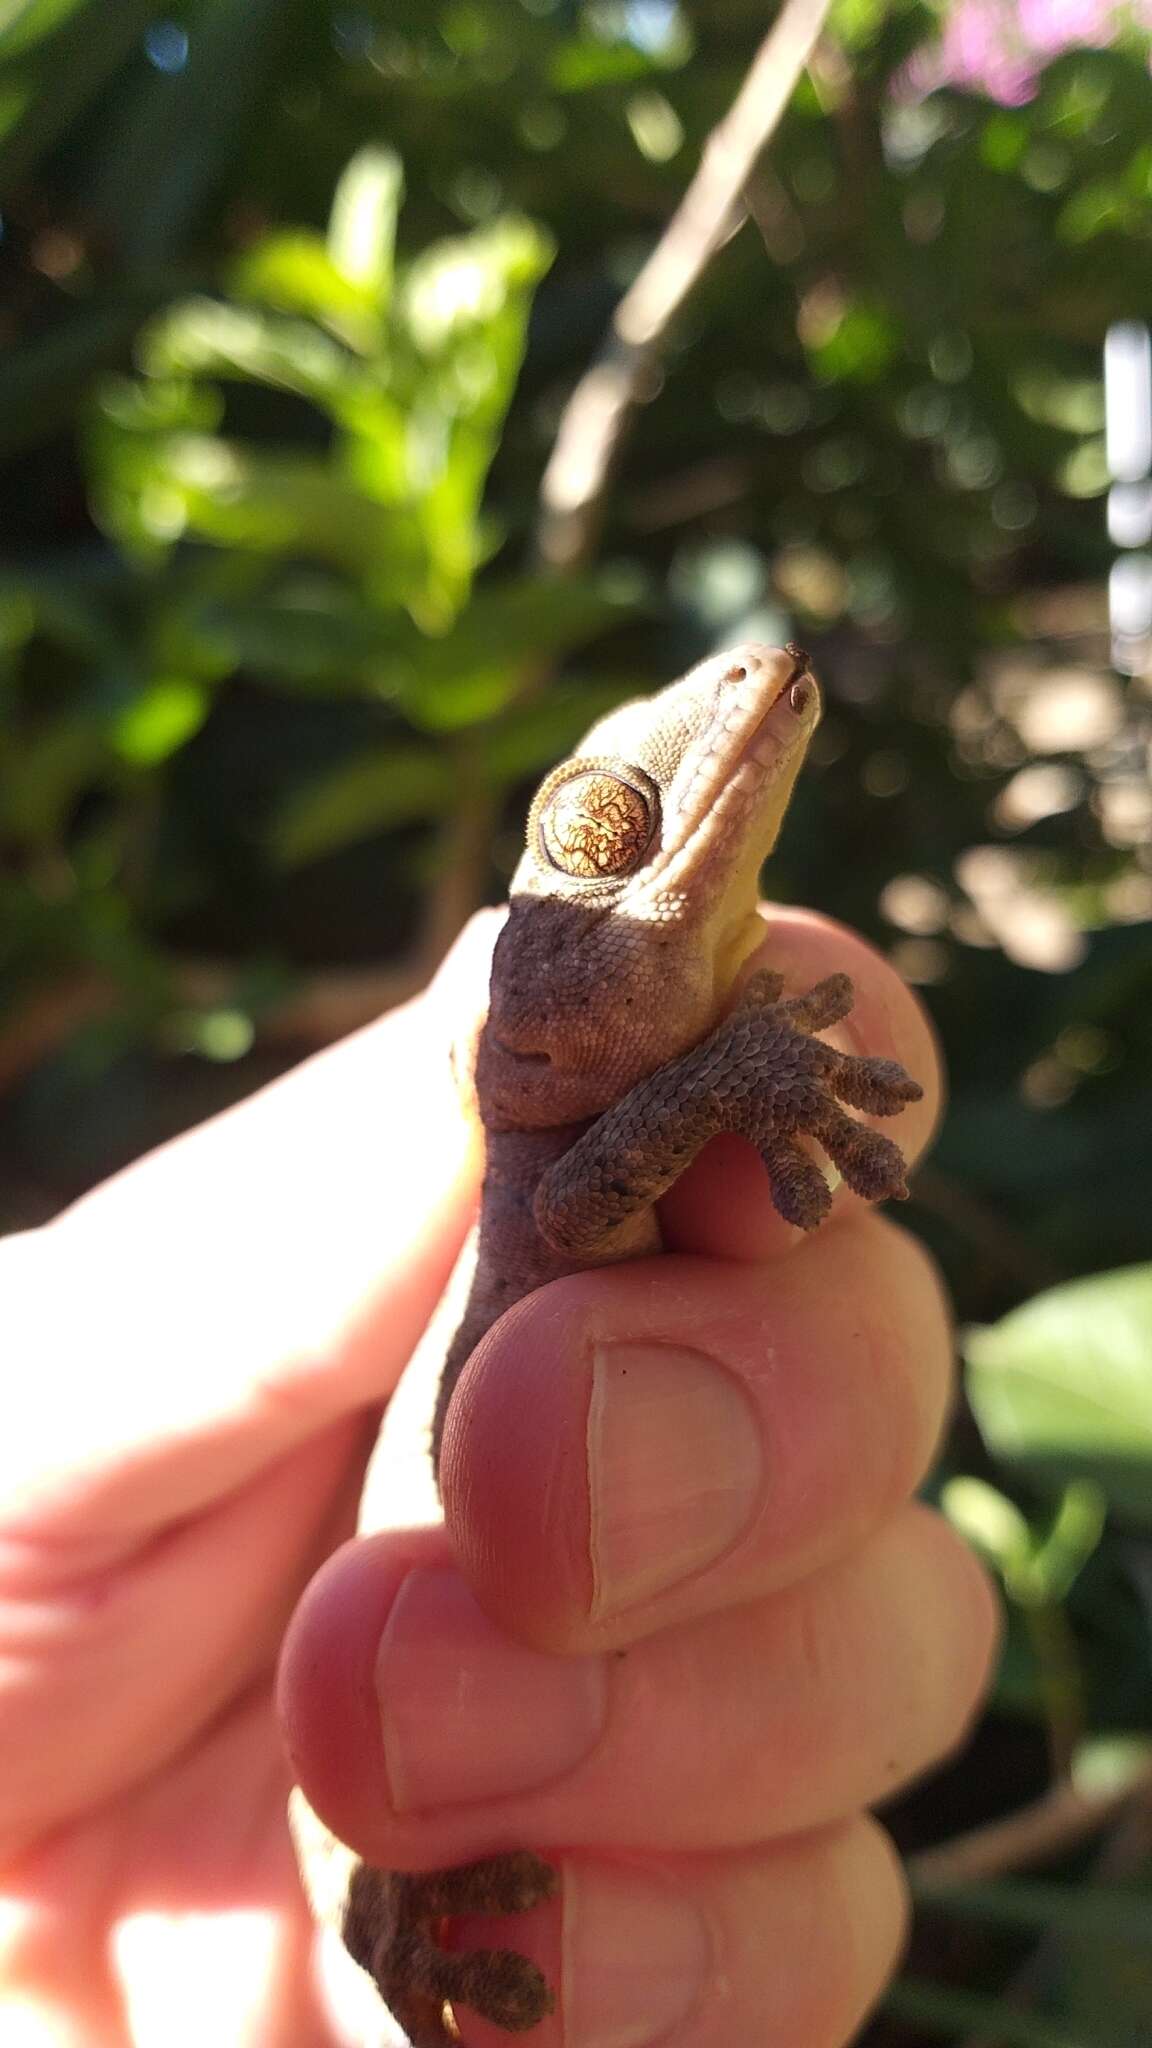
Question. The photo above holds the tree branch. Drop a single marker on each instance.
(572, 491)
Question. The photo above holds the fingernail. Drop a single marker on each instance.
(674, 1469)
(468, 1714)
(635, 1961)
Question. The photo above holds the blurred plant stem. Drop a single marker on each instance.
(1060, 1680)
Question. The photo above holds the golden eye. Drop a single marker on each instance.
(595, 823)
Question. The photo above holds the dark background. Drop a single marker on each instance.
(279, 667)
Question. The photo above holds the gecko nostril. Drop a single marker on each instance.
(737, 674)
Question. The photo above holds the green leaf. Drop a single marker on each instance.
(24, 22)
(371, 794)
(587, 62)
(330, 642)
(17, 617)
(462, 287)
(1104, 1910)
(464, 313)
(860, 345)
(1063, 1386)
(961, 2013)
(272, 504)
(465, 675)
(42, 776)
(534, 736)
(166, 714)
(204, 337)
(989, 1521)
(362, 224)
(70, 68)
(293, 272)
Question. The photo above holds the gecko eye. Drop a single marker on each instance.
(594, 822)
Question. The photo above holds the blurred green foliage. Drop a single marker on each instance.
(293, 297)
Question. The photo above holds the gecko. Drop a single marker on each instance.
(623, 1031)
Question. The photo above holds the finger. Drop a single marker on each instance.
(630, 1447)
(723, 1204)
(204, 1312)
(423, 1736)
(787, 1948)
(197, 1614)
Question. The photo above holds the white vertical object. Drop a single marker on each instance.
(1128, 440)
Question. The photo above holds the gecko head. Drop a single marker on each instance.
(671, 797)
(633, 907)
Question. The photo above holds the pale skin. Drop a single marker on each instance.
(193, 1354)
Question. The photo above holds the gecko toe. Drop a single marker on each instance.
(872, 1165)
(501, 1986)
(825, 1004)
(498, 1984)
(423, 1979)
(799, 1189)
(879, 1087)
(493, 1884)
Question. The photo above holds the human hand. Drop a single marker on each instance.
(685, 1625)
(195, 1355)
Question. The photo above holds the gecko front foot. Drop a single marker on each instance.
(762, 1075)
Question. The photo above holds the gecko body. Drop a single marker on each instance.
(622, 1033)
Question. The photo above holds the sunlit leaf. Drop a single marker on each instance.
(1063, 1386)
(294, 272)
(988, 1520)
(462, 288)
(275, 504)
(1004, 141)
(859, 347)
(585, 63)
(205, 337)
(362, 226)
(166, 714)
(24, 22)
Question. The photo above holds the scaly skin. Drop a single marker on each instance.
(618, 1041)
